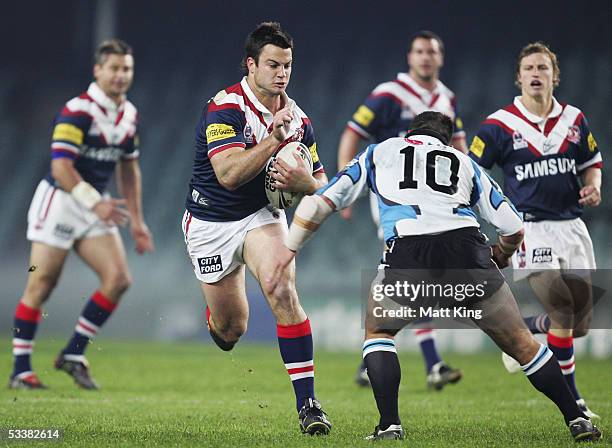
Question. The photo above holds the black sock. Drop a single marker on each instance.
(544, 373)
(539, 324)
(384, 372)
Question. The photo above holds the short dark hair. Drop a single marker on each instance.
(433, 123)
(538, 47)
(111, 46)
(426, 34)
(265, 33)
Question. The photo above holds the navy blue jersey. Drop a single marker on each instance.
(236, 118)
(388, 111)
(541, 158)
(95, 132)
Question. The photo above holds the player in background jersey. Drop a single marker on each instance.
(94, 133)
(387, 112)
(229, 222)
(552, 169)
(428, 193)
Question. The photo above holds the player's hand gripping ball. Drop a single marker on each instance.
(279, 198)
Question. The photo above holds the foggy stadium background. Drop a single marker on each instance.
(188, 50)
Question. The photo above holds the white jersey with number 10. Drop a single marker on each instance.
(423, 187)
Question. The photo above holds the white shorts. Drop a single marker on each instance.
(554, 245)
(215, 248)
(56, 219)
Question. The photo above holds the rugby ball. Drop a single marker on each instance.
(279, 198)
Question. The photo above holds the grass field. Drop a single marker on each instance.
(183, 395)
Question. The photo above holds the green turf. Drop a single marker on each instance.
(195, 395)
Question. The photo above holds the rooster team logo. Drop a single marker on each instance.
(573, 134)
(518, 141)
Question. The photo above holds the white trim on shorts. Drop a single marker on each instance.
(215, 248)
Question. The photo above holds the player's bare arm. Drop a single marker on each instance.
(506, 246)
(108, 209)
(235, 166)
(130, 187)
(590, 193)
(347, 150)
(460, 144)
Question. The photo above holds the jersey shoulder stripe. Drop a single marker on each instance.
(446, 91)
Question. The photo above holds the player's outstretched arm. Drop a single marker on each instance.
(590, 193)
(129, 185)
(234, 167)
(108, 210)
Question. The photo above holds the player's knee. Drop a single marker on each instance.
(39, 289)
(231, 330)
(581, 330)
(119, 282)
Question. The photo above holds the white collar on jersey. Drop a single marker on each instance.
(556, 111)
(425, 139)
(98, 95)
(260, 107)
(422, 91)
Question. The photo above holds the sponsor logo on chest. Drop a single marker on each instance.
(546, 167)
(109, 154)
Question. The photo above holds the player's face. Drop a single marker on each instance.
(425, 59)
(272, 72)
(536, 75)
(115, 75)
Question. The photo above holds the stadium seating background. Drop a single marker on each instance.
(186, 51)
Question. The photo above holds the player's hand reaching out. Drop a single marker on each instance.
(283, 260)
(142, 237)
(294, 179)
(501, 259)
(590, 195)
(112, 211)
(282, 120)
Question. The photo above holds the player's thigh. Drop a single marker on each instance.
(261, 247)
(502, 322)
(227, 299)
(105, 254)
(581, 289)
(46, 263)
(555, 296)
